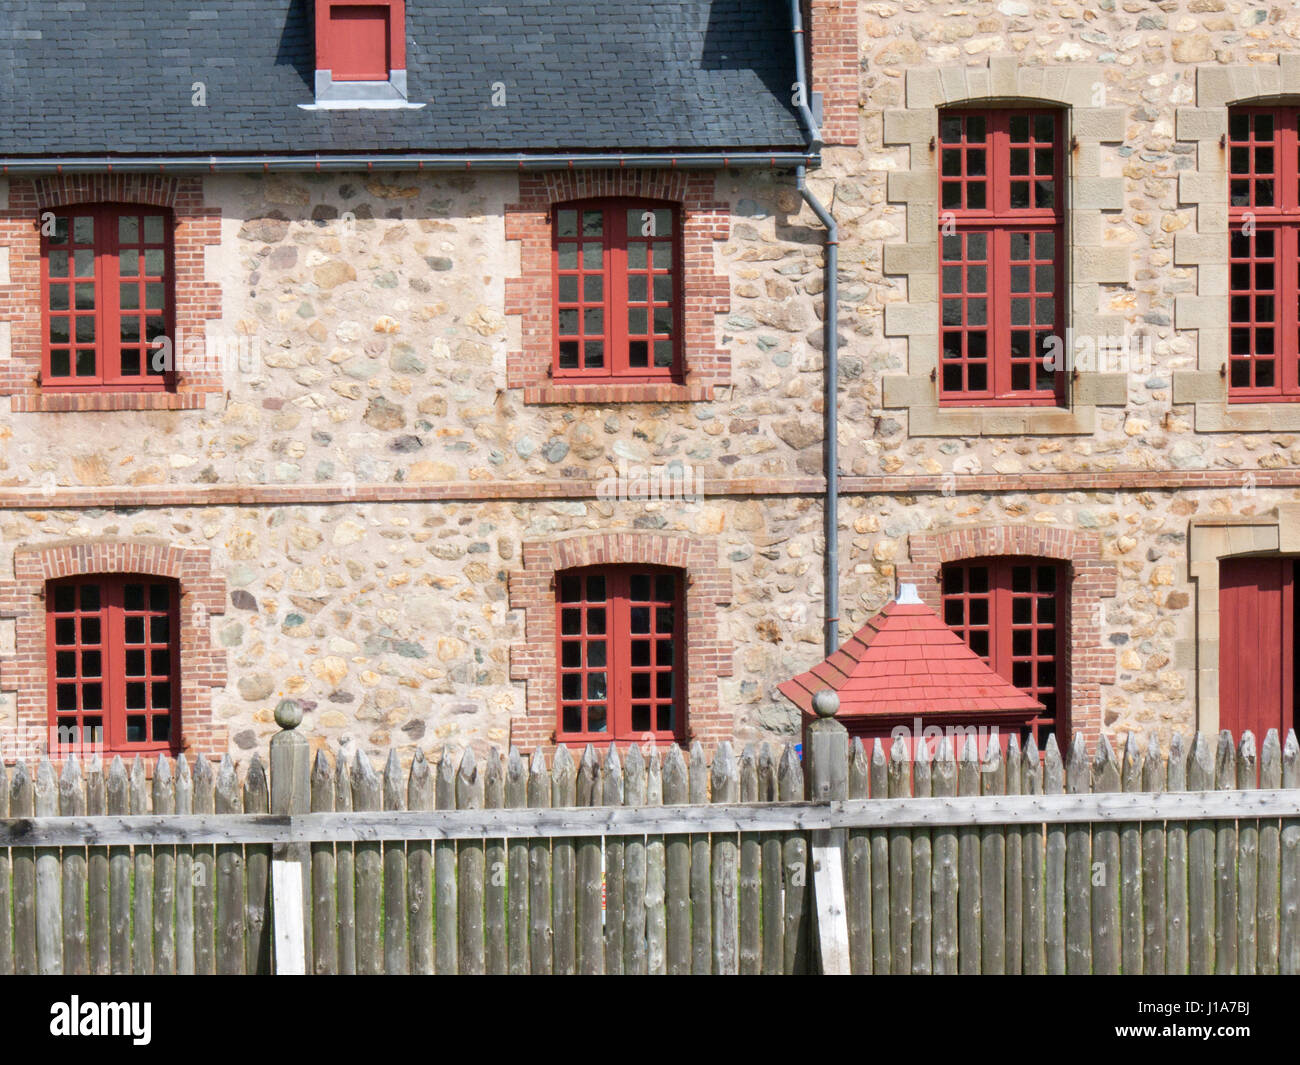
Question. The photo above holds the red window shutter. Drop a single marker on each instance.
(359, 42)
(1256, 645)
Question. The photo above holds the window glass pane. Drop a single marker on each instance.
(83, 230)
(153, 229)
(567, 223)
(128, 229)
(591, 255)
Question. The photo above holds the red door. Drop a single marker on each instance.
(360, 42)
(1257, 645)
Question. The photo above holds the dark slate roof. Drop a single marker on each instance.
(94, 76)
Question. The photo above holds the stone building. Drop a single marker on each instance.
(467, 368)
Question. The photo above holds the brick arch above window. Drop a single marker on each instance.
(703, 220)
(1091, 579)
(197, 299)
(708, 654)
(202, 661)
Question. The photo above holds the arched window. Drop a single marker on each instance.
(107, 294)
(114, 670)
(1014, 613)
(617, 301)
(622, 667)
(1002, 237)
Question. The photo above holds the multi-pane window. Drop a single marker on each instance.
(106, 279)
(113, 662)
(1012, 613)
(1001, 235)
(617, 313)
(1263, 222)
(621, 666)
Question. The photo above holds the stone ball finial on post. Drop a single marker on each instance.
(825, 703)
(288, 714)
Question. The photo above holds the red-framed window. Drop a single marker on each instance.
(107, 294)
(1013, 613)
(617, 308)
(1263, 223)
(113, 663)
(360, 41)
(622, 667)
(1002, 256)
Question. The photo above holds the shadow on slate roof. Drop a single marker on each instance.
(94, 76)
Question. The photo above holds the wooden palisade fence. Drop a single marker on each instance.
(1012, 864)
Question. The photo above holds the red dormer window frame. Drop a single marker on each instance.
(336, 51)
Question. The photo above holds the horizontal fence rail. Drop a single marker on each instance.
(641, 820)
(656, 861)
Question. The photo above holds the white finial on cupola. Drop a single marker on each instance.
(907, 595)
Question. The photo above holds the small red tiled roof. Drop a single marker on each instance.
(906, 660)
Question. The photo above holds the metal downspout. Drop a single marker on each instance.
(830, 347)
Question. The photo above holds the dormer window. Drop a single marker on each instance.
(361, 54)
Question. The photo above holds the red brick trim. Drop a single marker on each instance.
(708, 655)
(703, 220)
(1089, 664)
(834, 46)
(203, 663)
(197, 298)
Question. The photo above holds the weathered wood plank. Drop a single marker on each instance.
(367, 794)
(494, 871)
(798, 924)
(750, 884)
(1013, 949)
(142, 908)
(1153, 869)
(943, 868)
(117, 791)
(516, 797)
(419, 870)
(98, 953)
(900, 865)
(6, 884)
(611, 789)
(1033, 951)
(1177, 944)
(590, 937)
(1130, 860)
(701, 902)
(1054, 862)
(539, 873)
(345, 867)
(72, 803)
(230, 878)
(469, 867)
(49, 916)
(396, 956)
(1288, 952)
(184, 889)
(1270, 869)
(678, 869)
(773, 864)
(635, 962)
(257, 875)
(1200, 864)
(1078, 868)
(205, 874)
(1247, 863)
(324, 876)
(725, 913)
(1225, 864)
(970, 889)
(878, 786)
(446, 952)
(993, 869)
(656, 875)
(164, 876)
(564, 858)
(858, 857)
(1106, 868)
